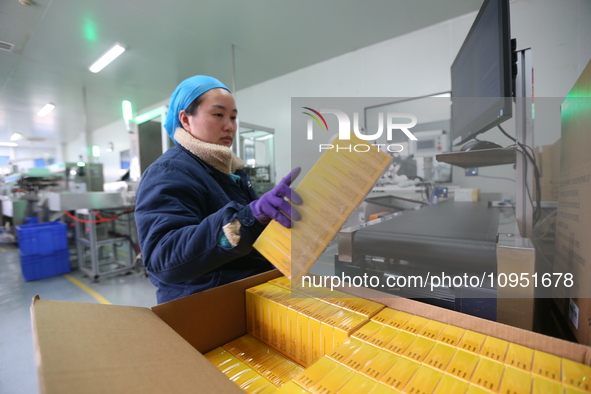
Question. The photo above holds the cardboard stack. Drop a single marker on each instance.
(573, 230)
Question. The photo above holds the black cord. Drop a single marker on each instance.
(538, 208)
(496, 177)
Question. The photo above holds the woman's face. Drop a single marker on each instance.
(214, 120)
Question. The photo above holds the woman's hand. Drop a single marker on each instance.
(275, 204)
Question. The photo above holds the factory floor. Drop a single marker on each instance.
(17, 357)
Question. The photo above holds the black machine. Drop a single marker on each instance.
(444, 240)
(482, 74)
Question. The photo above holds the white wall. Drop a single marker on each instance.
(418, 64)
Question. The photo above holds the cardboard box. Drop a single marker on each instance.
(573, 249)
(95, 348)
(548, 161)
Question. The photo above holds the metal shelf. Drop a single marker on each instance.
(479, 158)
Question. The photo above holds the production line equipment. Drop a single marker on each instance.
(457, 255)
(104, 230)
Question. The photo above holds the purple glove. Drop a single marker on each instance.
(274, 204)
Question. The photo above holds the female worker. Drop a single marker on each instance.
(197, 214)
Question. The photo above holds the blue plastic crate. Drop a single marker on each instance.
(32, 220)
(38, 266)
(42, 238)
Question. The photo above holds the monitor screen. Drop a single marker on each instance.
(481, 79)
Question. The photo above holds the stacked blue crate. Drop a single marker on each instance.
(43, 249)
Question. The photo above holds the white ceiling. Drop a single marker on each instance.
(55, 41)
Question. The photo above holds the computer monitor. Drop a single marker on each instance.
(481, 74)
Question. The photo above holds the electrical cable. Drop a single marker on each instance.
(496, 177)
(537, 209)
(100, 220)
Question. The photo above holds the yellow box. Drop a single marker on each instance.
(440, 356)
(303, 330)
(346, 326)
(472, 341)
(419, 349)
(462, 364)
(359, 359)
(236, 370)
(516, 381)
(292, 337)
(400, 342)
(355, 304)
(315, 348)
(488, 374)
(248, 378)
(269, 363)
(385, 335)
(281, 322)
(432, 329)
(256, 311)
(326, 338)
(381, 388)
(359, 384)
(474, 389)
(249, 296)
(451, 335)
(229, 365)
(283, 372)
(291, 388)
(257, 386)
(245, 347)
(494, 348)
(345, 350)
(351, 322)
(218, 352)
(519, 357)
(546, 365)
(415, 324)
(423, 381)
(380, 364)
(315, 372)
(266, 291)
(282, 281)
(576, 375)
(384, 315)
(400, 373)
(332, 381)
(339, 336)
(542, 385)
(370, 309)
(366, 331)
(277, 316)
(219, 359)
(399, 319)
(451, 385)
(572, 390)
(267, 390)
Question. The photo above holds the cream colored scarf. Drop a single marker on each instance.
(218, 156)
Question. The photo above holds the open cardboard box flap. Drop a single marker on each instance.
(94, 348)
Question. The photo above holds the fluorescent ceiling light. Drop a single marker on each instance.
(47, 108)
(16, 137)
(127, 110)
(8, 144)
(107, 58)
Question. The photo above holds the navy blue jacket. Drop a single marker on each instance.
(182, 203)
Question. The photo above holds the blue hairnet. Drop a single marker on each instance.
(183, 96)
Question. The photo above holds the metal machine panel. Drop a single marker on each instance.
(457, 235)
(91, 200)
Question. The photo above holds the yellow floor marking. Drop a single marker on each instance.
(87, 289)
